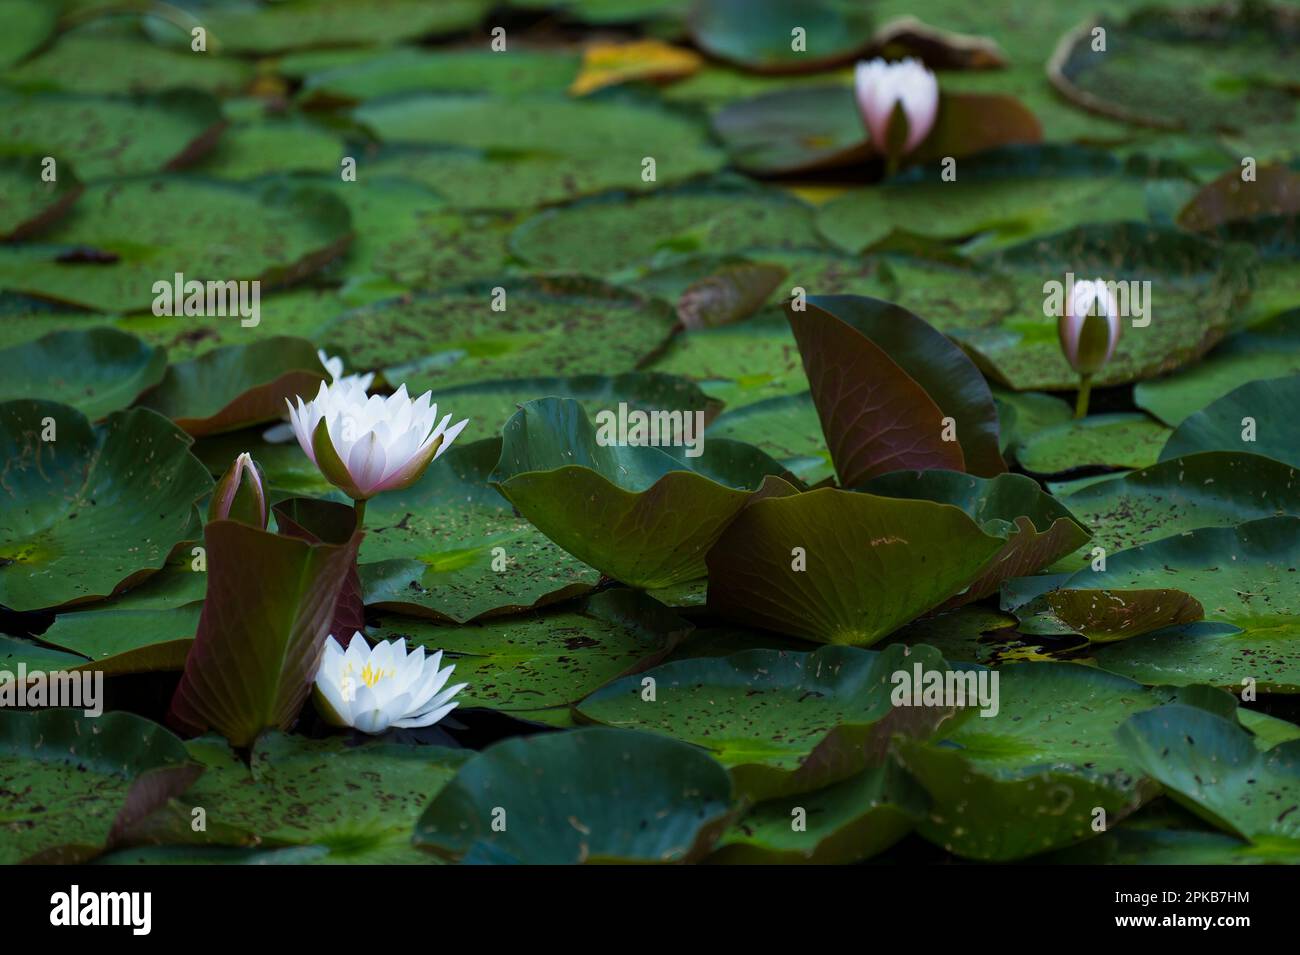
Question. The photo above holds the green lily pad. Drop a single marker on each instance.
(143, 231)
(1109, 441)
(635, 511)
(489, 404)
(1022, 414)
(1270, 350)
(758, 34)
(412, 69)
(1211, 489)
(923, 358)
(26, 24)
(785, 427)
(248, 28)
(29, 203)
(552, 659)
(1214, 68)
(72, 783)
(1104, 616)
(1244, 576)
(270, 146)
(1038, 529)
(239, 385)
(92, 511)
(847, 822)
(546, 327)
(96, 371)
(1275, 275)
(843, 567)
(357, 802)
(1187, 287)
(125, 64)
(1211, 765)
(588, 795)
(562, 148)
(113, 136)
(451, 548)
(610, 11)
(1254, 418)
(781, 722)
(1032, 777)
(738, 364)
(1015, 193)
(794, 130)
(610, 237)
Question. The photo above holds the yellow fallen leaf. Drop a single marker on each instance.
(608, 64)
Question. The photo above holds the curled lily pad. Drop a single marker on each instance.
(1237, 58)
(1210, 489)
(1211, 765)
(114, 136)
(1275, 190)
(845, 822)
(843, 567)
(914, 401)
(1033, 776)
(72, 784)
(551, 659)
(1038, 529)
(126, 237)
(588, 795)
(1254, 418)
(356, 804)
(238, 385)
(451, 548)
(641, 507)
(90, 511)
(1104, 616)
(96, 371)
(781, 722)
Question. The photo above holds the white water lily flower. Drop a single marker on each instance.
(280, 433)
(365, 445)
(373, 689)
(1089, 326)
(880, 85)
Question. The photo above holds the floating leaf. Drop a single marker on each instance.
(786, 428)
(842, 567)
(1254, 418)
(610, 64)
(96, 371)
(588, 795)
(1104, 616)
(728, 295)
(92, 511)
(781, 722)
(1275, 190)
(27, 201)
(239, 385)
(621, 502)
(756, 34)
(1109, 440)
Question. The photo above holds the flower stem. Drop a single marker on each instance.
(1081, 403)
(360, 508)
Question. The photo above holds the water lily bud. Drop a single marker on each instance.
(1089, 327)
(240, 495)
(373, 689)
(365, 445)
(882, 87)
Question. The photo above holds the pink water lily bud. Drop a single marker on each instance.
(240, 495)
(1089, 326)
(880, 86)
(365, 445)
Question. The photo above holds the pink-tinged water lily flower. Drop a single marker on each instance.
(881, 86)
(1089, 328)
(373, 689)
(365, 445)
(279, 433)
(240, 495)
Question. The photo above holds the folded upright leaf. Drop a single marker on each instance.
(270, 603)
